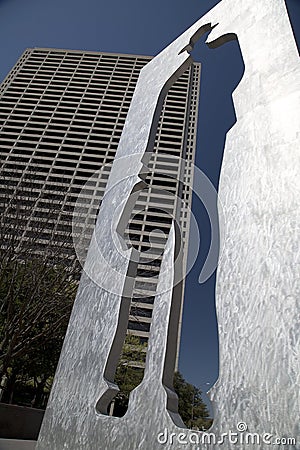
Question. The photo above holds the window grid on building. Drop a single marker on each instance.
(61, 117)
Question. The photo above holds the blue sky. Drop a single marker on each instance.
(146, 28)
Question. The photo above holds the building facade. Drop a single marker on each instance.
(61, 117)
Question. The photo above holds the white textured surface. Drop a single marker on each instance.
(258, 275)
(257, 286)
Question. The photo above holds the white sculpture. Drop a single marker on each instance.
(257, 276)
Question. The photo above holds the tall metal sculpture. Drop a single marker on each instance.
(257, 275)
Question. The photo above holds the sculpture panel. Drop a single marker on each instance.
(257, 282)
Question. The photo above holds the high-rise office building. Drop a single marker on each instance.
(61, 118)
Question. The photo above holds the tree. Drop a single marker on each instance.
(191, 407)
(129, 374)
(36, 301)
(38, 283)
(31, 376)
